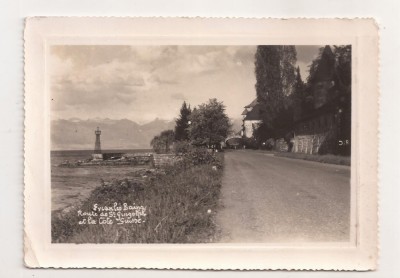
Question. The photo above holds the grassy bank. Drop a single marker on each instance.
(180, 203)
(326, 158)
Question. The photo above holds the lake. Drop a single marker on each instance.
(72, 185)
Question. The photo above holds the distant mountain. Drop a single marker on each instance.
(76, 134)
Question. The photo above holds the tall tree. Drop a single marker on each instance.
(182, 123)
(209, 123)
(161, 143)
(268, 77)
(312, 68)
(343, 84)
(275, 80)
(298, 96)
(343, 66)
(288, 70)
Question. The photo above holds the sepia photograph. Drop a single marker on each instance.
(232, 143)
(200, 143)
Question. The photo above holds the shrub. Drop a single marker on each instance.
(270, 144)
(190, 156)
(201, 156)
(181, 147)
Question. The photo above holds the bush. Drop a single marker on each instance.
(270, 144)
(201, 156)
(181, 147)
(194, 155)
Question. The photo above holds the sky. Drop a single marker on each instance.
(141, 83)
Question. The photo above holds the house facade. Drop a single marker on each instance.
(251, 118)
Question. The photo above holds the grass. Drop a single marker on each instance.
(326, 158)
(180, 202)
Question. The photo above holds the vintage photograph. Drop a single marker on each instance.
(200, 143)
(230, 143)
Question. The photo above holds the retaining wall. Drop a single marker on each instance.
(160, 160)
(321, 143)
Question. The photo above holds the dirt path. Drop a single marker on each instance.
(272, 199)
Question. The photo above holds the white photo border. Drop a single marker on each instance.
(359, 254)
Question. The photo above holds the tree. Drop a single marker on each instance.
(262, 133)
(275, 75)
(275, 79)
(343, 66)
(268, 81)
(208, 123)
(299, 97)
(314, 65)
(343, 84)
(329, 87)
(288, 70)
(161, 143)
(182, 123)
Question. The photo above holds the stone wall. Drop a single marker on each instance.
(161, 160)
(320, 143)
(316, 135)
(107, 156)
(308, 143)
(314, 144)
(139, 158)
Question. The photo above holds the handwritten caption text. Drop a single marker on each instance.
(116, 214)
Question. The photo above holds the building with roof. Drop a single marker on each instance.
(251, 118)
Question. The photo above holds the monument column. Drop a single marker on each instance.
(97, 146)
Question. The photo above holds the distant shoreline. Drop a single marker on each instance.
(107, 150)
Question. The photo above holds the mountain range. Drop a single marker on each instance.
(77, 134)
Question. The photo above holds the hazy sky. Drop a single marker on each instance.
(142, 83)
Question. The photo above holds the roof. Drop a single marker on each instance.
(252, 104)
(255, 114)
(244, 112)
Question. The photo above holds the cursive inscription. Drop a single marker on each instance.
(116, 213)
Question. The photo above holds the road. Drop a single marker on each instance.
(271, 199)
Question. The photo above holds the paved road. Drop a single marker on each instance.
(272, 199)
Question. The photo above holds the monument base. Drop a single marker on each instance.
(97, 156)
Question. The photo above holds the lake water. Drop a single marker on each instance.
(72, 185)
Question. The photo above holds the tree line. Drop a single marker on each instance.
(282, 93)
(205, 125)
